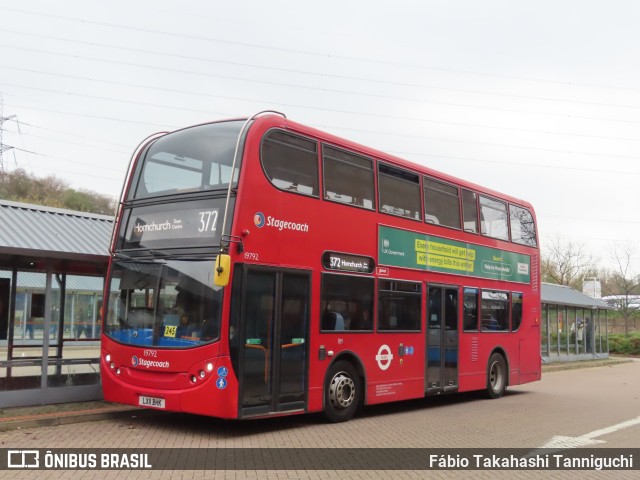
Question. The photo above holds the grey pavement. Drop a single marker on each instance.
(76, 412)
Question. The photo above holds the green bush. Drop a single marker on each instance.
(624, 344)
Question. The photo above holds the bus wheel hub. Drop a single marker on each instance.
(342, 390)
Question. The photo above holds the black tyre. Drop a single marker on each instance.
(496, 376)
(342, 392)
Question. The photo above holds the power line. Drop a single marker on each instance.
(290, 85)
(345, 92)
(348, 112)
(3, 146)
(311, 53)
(60, 140)
(97, 117)
(74, 134)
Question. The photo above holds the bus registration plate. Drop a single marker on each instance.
(151, 402)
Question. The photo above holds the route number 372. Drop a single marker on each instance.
(208, 221)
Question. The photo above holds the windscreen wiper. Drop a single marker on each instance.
(127, 258)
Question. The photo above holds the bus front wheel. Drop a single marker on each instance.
(496, 376)
(342, 392)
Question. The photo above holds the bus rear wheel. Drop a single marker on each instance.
(496, 376)
(342, 392)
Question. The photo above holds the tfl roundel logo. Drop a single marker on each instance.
(134, 361)
(258, 219)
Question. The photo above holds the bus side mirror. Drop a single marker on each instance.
(222, 270)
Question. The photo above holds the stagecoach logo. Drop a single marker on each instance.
(143, 362)
(384, 357)
(258, 219)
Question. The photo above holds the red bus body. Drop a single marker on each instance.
(293, 244)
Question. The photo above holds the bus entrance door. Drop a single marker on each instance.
(274, 341)
(442, 339)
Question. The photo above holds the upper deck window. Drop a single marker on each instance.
(523, 229)
(441, 203)
(191, 160)
(291, 162)
(399, 192)
(494, 218)
(348, 178)
(470, 211)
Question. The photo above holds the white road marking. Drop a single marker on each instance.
(561, 442)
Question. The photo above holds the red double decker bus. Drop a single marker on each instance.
(261, 267)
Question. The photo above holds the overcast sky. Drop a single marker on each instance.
(540, 100)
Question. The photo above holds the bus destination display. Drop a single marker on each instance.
(347, 263)
(197, 225)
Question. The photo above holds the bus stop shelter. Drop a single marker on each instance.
(574, 325)
(52, 268)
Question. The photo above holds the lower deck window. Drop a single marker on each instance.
(495, 311)
(347, 303)
(470, 309)
(399, 305)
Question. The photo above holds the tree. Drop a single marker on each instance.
(52, 191)
(624, 281)
(566, 263)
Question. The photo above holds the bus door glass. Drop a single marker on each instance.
(442, 339)
(274, 326)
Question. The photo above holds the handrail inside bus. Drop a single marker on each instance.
(233, 168)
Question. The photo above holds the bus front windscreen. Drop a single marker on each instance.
(168, 303)
(196, 159)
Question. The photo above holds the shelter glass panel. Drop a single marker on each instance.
(5, 303)
(83, 300)
(544, 332)
(575, 331)
(554, 328)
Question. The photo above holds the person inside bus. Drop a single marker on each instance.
(361, 320)
(328, 321)
(185, 328)
(332, 320)
(211, 324)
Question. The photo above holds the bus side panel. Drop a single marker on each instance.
(530, 357)
(472, 369)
